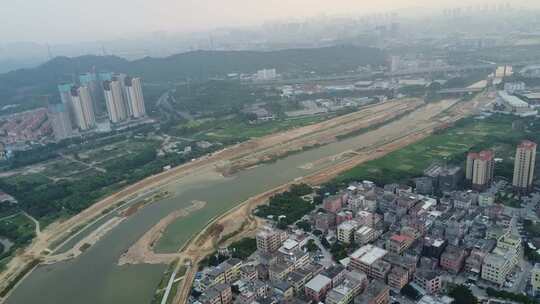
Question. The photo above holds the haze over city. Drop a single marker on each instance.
(269, 152)
(67, 21)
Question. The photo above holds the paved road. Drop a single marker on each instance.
(184, 292)
(36, 222)
(9, 216)
(170, 284)
(327, 260)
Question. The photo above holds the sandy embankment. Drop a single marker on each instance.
(143, 250)
(86, 242)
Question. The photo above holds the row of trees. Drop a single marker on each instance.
(289, 206)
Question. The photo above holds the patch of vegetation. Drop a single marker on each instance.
(514, 297)
(48, 199)
(508, 199)
(532, 228)
(530, 254)
(212, 260)
(243, 248)
(304, 225)
(18, 229)
(340, 250)
(462, 295)
(237, 128)
(373, 127)
(19, 276)
(160, 288)
(311, 246)
(289, 204)
(410, 292)
(449, 145)
(198, 65)
(218, 96)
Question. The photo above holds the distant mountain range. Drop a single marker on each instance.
(24, 84)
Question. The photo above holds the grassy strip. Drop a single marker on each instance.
(19, 277)
(160, 289)
(375, 126)
(514, 297)
(447, 146)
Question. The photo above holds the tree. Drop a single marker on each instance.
(317, 232)
(520, 298)
(410, 292)
(463, 295)
(311, 246)
(304, 225)
(282, 225)
(339, 251)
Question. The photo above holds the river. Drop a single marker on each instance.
(95, 278)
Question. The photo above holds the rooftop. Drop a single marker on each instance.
(364, 230)
(368, 254)
(400, 238)
(318, 282)
(482, 155)
(348, 225)
(290, 244)
(512, 100)
(527, 144)
(374, 288)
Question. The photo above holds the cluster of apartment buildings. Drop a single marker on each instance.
(402, 238)
(283, 271)
(29, 126)
(82, 102)
(480, 168)
(395, 236)
(409, 238)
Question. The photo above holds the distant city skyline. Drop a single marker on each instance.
(68, 21)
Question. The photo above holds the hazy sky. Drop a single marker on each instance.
(57, 21)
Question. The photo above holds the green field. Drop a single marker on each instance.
(20, 230)
(240, 129)
(448, 146)
(63, 168)
(236, 129)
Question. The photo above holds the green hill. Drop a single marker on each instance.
(22, 86)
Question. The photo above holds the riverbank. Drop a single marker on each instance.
(58, 232)
(85, 243)
(225, 192)
(142, 252)
(243, 224)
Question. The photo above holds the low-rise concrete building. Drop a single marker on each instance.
(270, 239)
(398, 277)
(365, 235)
(453, 259)
(430, 281)
(317, 288)
(217, 294)
(368, 259)
(376, 293)
(345, 231)
(398, 243)
(497, 265)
